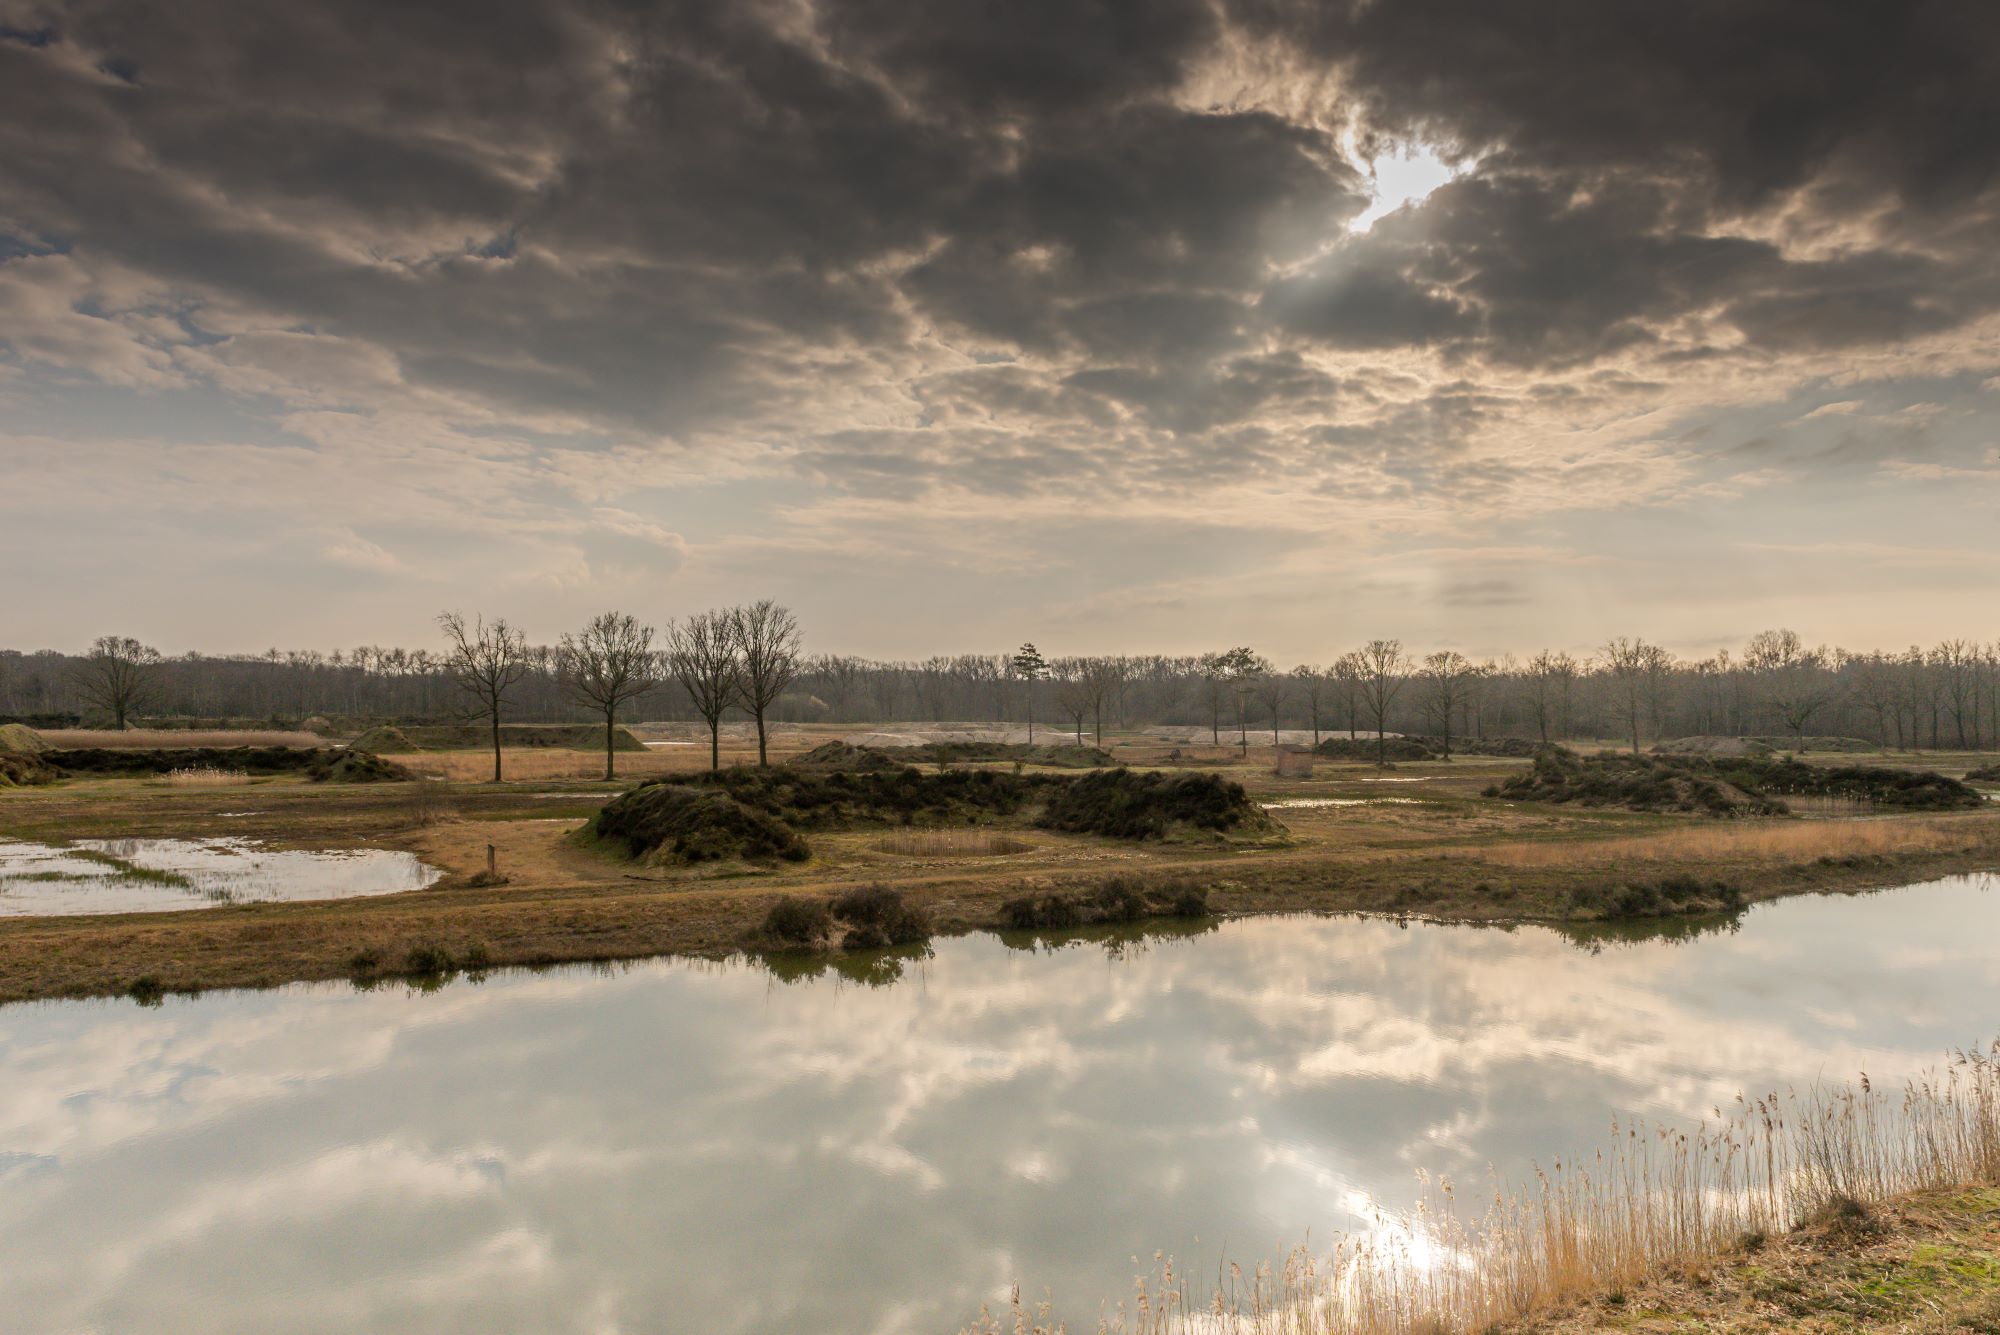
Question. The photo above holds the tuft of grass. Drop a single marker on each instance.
(1754, 841)
(205, 776)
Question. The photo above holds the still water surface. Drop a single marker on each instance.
(679, 1147)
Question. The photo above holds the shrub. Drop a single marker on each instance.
(428, 959)
(797, 921)
(878, 916)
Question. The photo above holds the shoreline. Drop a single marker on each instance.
(626, 915)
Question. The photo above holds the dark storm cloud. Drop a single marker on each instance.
(751, 218)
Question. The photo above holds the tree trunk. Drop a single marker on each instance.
(610, 751)
(715, 743)
(762, 761)
(496, 741)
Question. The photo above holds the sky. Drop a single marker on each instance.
(1118, 327)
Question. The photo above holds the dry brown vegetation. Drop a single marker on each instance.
(951, 844)
(205, 776)
(1762, 841)
(1657, 1202)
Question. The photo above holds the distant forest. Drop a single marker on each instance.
(1947, 696)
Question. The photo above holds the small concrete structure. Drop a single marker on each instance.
(1294, 762)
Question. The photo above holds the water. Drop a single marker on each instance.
(679, 1147)
(156, 875)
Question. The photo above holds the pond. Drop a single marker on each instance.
(688, 1147)
(157, 875)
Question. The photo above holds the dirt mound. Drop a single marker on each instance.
(856, 759)
(317, 764)
(1369, 749)
(1876, 785)
(1712, 746)
(684, 823)
(351, 766)
(1637, 783)
(1850, 745)
(1513, 748)
(1129, 804)
(1990, 774)
(20, 738)
(806, 800)
(19, 769)
(850, 759)
(477, 736)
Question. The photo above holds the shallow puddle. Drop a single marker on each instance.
(158, 875)
(1296, 803)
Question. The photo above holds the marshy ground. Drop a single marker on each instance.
(1416, 840)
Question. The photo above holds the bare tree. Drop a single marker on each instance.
(701, 654)
(1549, 679)
(767, 642)
(1312, 683)
(1271, 687)
(1073, 688)
(1100, 680)
(485, 660)
(1381, 668)
(1791, 677)
(118, 675)
(1631, 665)
(1031, 668)
(1447, 682)
(608, 663)
(1347, 681)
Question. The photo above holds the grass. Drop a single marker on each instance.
(1655, 1201)
(158, 739)
(1792, 842)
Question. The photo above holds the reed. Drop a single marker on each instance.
(951, 844)
(1656, 1199)
(205, 776)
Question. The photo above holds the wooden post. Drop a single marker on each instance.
(491, 862)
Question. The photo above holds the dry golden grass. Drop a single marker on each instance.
(1756, 841)
(149, 739)
(1656, 1199)
(205, 776)
(951, 844)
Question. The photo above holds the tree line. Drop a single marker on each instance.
(749, 662)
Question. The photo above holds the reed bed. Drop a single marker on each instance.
(170, 739)
(951, 844)
(1657, 1199)
(1757, 841)
(541, 763)
(205, 776)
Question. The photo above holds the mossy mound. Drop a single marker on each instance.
(1372, 749)
(1637, 783)
(860, 759)
(475, 736)
(317, 764)
(1130, 804)
(351, 766)
(1876, 785)
(21, 739)
(686, 823)
(1987, 774)
(1714, 748)
(1850, 745)
(806, 800)
(19, 769)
